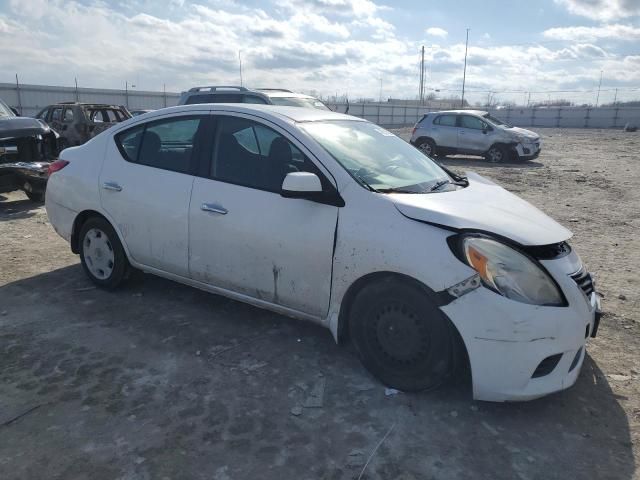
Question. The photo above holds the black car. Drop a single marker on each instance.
(27, 146)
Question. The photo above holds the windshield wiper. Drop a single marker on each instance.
(397, 190)
(439, 184)
(365, 184)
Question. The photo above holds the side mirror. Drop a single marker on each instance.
(301, 185)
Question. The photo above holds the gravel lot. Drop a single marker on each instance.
(162, 381)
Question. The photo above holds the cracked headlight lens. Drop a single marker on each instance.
(510, 273)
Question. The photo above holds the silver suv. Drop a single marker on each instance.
(267, 96)
(474, 132)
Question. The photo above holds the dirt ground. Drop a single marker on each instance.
(162, 381)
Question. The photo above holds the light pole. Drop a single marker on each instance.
(464, 74)
(599, 85)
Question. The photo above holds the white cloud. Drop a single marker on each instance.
(590, 34)
(437, 32)
(603, 10)
(331, 45)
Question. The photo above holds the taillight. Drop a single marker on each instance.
(56, 166)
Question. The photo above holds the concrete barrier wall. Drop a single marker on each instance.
(557, 117)
(30, 99)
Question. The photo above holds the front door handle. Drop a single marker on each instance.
(213, 208)
(112, 186)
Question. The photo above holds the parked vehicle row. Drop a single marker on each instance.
(330, 218)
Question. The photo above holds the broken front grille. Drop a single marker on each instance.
(584, 281)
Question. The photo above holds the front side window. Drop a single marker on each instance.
(467, 121)
(165, 144)
(496, 121)
(56, 115)
(249, 154)
(5, 111)
(376, 158)
(446, 120)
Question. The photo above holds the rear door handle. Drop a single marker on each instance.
(213, 208)
(112, 186)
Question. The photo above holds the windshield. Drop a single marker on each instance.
(5, 111)
(376, 158)
(305, 102)
(497, 122)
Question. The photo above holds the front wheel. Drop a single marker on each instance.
(101, 254)
(401, 337)
(497, 154)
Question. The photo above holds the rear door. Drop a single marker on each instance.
(145, 186)
(445, 130)
(473, 135)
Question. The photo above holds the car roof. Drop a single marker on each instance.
(290, 114)
(84, 104)
(473, 112)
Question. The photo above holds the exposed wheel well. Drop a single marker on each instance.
(462, 360)
(77, 226)
(421, 139)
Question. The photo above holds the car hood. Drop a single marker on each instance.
(483, 206)
(15, 127)
(523, 132)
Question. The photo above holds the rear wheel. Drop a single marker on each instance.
(400, 336)
(101, 253)
(427, 146)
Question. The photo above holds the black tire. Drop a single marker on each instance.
(427, 146)
(37, 197)
(497, 154)
(401, 337)
(119, 270)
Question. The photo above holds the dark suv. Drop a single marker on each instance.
(267, 96)
(27, 146)
(79, 122)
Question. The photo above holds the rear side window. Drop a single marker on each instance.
(445, 120)
(254, 99)
(68, 115)
(166, 144)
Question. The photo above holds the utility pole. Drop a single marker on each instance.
(380, 97)
(599, 85)
(464, 74)
(615, 97)
(529, 99)
(77, 95)
(164, 94)
(240, 63)
(421, 93)
(126, 93)
(18, 92)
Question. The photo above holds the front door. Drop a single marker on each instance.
(247, 238)
(145, 186)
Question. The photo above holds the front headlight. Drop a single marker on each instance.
(522, 139)
(509, 272)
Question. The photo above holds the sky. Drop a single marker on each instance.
(518, 50)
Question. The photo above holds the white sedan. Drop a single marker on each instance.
(330, 218)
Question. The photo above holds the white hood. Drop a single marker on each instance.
(483, 205)
(524, 132)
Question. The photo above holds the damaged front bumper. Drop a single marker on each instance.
(519, 351)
